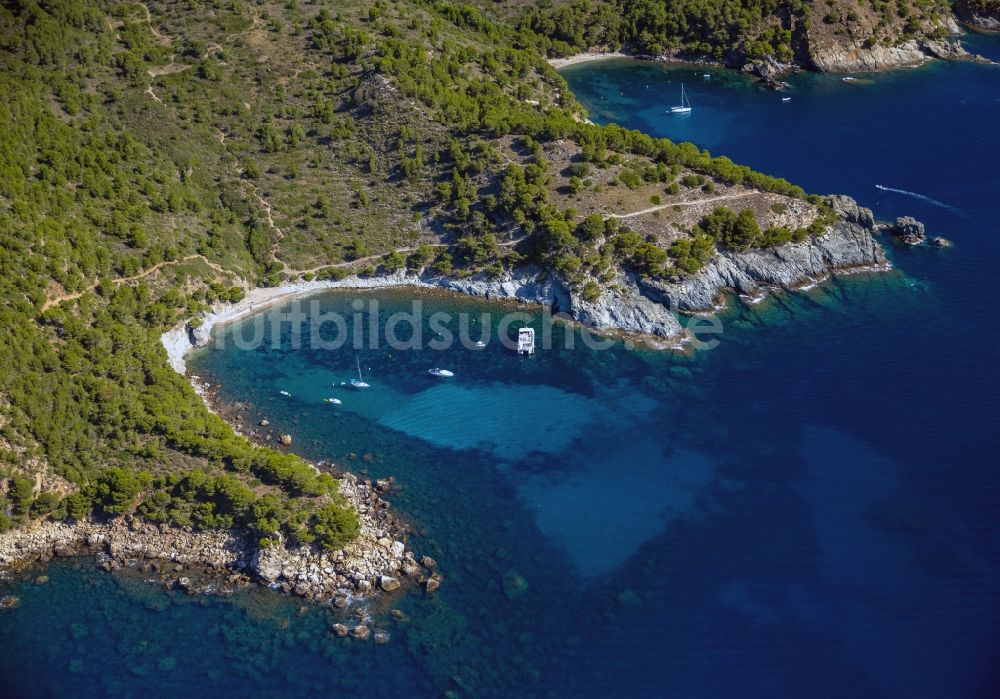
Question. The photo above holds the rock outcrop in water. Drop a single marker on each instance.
(909, 230)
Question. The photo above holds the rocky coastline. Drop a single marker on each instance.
(644, 308)
(376, 567)
(841, 56)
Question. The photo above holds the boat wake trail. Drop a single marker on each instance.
(915, 195)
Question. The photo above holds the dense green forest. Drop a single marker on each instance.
(732, 31)
(155, 160)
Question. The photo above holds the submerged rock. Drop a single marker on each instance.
(381, 637)
(9, 602)
(340, 630)
(514, 584)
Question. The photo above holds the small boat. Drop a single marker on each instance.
(332, 401)
(849, 79)
(285, 393)
(786, 99)
(706, 76)
(441, 372)
(358, 382)
(480, 343)
(526, 341)
(684, 107)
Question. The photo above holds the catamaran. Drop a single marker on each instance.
(358, 382)
(685, 106)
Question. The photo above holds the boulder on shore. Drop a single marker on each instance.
(286, 439)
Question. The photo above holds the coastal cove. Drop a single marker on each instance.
(807, 508)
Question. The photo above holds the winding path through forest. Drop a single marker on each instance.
(56, 300)
(724, 197)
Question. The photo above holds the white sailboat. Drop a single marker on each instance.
(358, 382)
(685, 106)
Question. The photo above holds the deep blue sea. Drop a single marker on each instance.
(809, 509)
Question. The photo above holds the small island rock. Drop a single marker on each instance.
(909, 230)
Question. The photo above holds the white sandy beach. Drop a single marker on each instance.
(178, 341)
(558, 63)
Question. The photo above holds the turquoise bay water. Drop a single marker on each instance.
(808, 509)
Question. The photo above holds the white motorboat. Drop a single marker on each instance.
(480, 343)
(441, 372)
(332, 401)
(285, 393)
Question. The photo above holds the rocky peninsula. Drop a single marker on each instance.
(629, 304)
(376, 564)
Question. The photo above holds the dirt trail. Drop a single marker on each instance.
(55, 301)
(696, 202)
(165, 40)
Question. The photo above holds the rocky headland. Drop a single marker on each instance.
(629, 304)
(373, 567)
